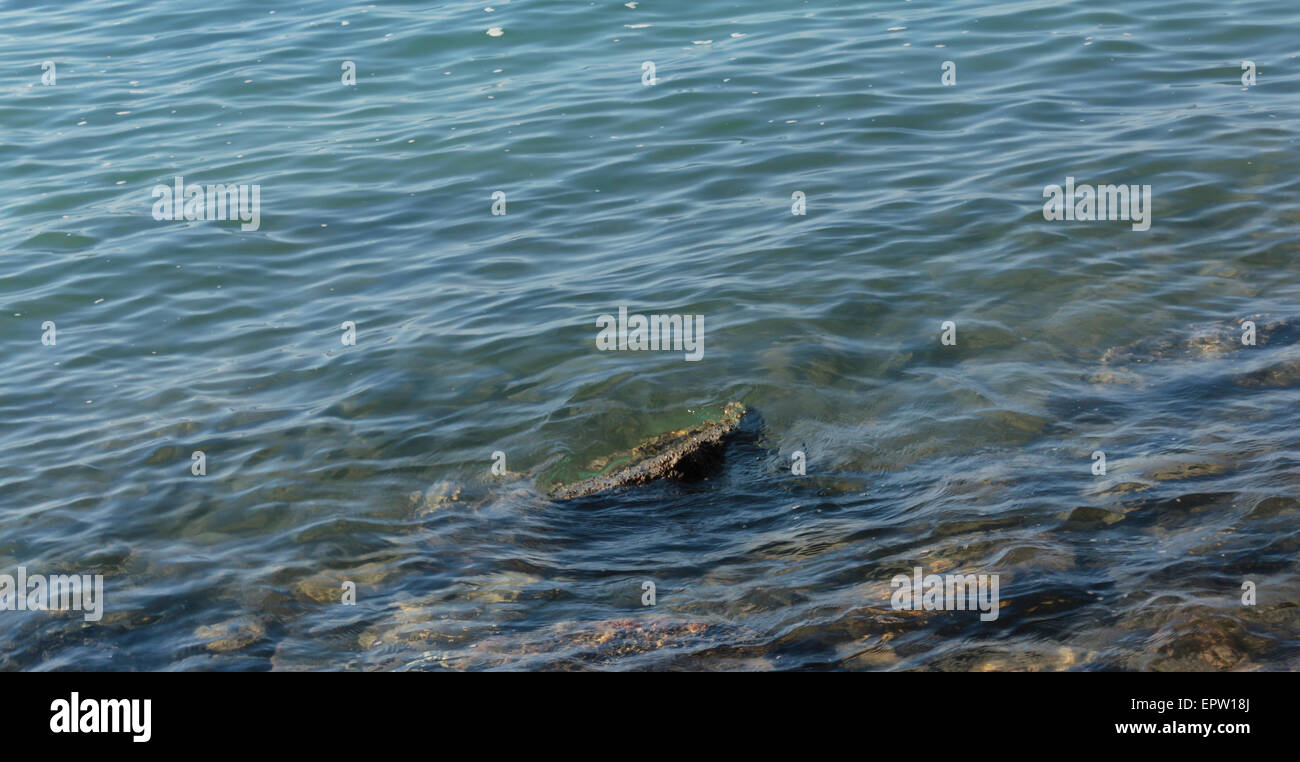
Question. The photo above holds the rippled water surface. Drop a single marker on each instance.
(328, 463)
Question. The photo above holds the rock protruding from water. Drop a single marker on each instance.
(689, 453)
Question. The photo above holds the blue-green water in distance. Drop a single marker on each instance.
(476, 333)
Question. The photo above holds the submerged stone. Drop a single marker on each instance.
(689, 453)
(232, 634)
(1206, 341)
(441, 495)
(1186, 470)
(1280, 374)
(1199, 639)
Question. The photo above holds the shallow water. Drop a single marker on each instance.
(477, 333)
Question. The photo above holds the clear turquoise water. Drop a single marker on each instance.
(476, 333)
